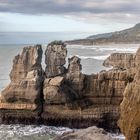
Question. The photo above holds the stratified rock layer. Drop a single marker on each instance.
(77, 97)
(74, 76)
(25, 92)
(130, 107)
(55, 56)
(67, 97)
(120, 60)
(53, 90)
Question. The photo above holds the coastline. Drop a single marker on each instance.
(83, 105)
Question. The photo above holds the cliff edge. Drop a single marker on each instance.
(129, 121)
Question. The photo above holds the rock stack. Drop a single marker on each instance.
(24, 92)
(65, 96)
(55, 59)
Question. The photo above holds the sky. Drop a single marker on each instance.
(96, 16)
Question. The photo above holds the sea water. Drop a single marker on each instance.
(92, 58)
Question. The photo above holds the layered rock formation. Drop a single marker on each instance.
(130, 107)
(74, 76)
(81, 97)
(64, 96)
(24, 92)
(120, 60)
(107, 85)
(55, 56)
(26, 77)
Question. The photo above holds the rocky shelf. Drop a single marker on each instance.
(63, 96)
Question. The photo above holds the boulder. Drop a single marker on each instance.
(91, 133)
(53, 90)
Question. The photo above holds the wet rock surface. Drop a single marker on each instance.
(91, 133)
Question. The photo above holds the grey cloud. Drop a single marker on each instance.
(69, 6)
(127, 10)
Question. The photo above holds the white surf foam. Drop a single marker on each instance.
(16, 131)
(118, 136)
(128, 48)
(102, 57)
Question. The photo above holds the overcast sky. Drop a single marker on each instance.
(95, 16)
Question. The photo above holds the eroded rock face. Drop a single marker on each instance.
(95, 98)
(107, 87)
(26, 80)
(26, 62)
(74, 76)
(55, 56)
(65, 97)
(130, 107)
(120, 60)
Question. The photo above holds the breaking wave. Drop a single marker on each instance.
(30, 132)
(102, 57)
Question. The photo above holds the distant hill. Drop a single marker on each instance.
(131, 35)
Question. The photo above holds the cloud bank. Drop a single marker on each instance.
(119, 10)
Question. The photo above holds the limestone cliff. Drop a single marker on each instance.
(130, 107)
(76, 97)
(74, 76)
(24, 92)
(120, 60)
(62, 96)
(55, 56)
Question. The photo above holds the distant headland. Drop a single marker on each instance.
(131, 35)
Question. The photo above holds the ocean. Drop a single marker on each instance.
(92, 58)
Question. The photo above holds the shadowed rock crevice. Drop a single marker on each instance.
(74, 95)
